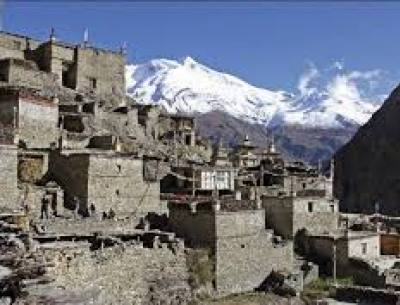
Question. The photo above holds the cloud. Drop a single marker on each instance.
(338, 64)
(357, 86)
(305, 79)
(367, 75)
(342, 88)
(338, 83)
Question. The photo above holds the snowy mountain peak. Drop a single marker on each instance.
(188, 86)
(189, 61)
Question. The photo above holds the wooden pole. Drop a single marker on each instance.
(334, 260)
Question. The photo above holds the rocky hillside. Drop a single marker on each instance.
(310, 123)
(294, 141)
(367, 168)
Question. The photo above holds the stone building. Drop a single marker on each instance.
(8, 177)
(199, 180)
(287, 215)
(79, 67)
(106, 179)
(34, 118)
(361, 245)
(178, 127)
(19, 72)
(149, 118)
(245, 252)
(245, 155)
(301, 179)
(220, 156)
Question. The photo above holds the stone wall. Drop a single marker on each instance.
(246, 253)
(8, 177)
(288, 215)
(279, 215)
(26, 74)
(119, 276)
(100, 71)
(38, 122)
(118, 182)
(322, 218)
(108, 181)
(14, 46)
(36, 118)
(196, 227)
(32, 166)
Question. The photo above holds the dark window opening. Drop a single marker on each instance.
(364, 248)
(93, 83)
(242, 246)
(188, 140)
(3, 77)
(119, 168)
(310, 207)
(68, 76)
(117, 192)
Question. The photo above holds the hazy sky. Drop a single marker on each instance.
(267, 44)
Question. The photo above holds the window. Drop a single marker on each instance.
(119, 168)
(304, 186)
(310, 206)
(364, 248)
(93, 83)
(332, 208)
(117, 192)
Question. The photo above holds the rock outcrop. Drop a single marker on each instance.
(367, 168)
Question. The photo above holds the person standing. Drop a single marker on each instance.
(45, 208)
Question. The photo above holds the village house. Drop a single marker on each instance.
(178, 128)
(199, 180)
(341, 247)
(288, 215)
(244, 155)
(33, 117)
(78, 67)
(245, 252)
(107, 179)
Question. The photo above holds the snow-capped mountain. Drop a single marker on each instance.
(190, 87)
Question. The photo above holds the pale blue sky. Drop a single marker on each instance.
(267, 44)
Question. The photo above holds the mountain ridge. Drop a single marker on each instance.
(324, 110)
